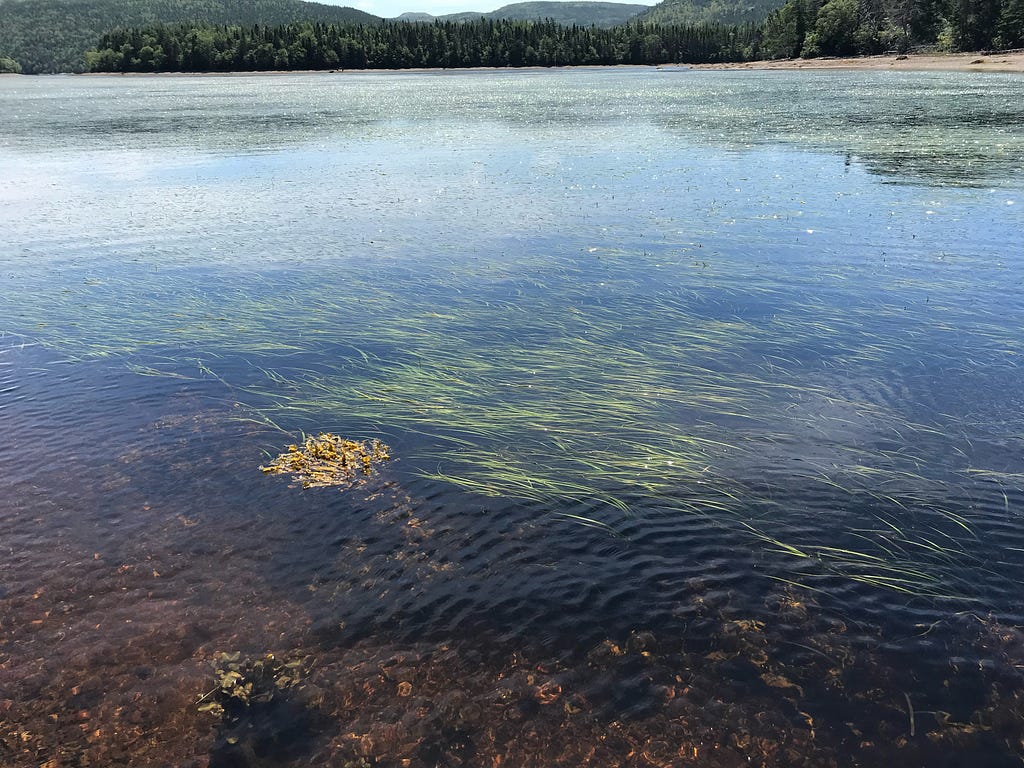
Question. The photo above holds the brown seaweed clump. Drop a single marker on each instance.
(264, 716)
(329, 460)
(243, 683)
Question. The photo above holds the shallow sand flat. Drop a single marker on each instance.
(1011, 61)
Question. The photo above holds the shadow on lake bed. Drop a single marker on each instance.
(133, 572)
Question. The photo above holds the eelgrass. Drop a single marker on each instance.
(525, 380)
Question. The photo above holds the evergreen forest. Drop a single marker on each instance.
(811, 28)
(45, 36)
(400, 45)
(806, 28)
(222, 35)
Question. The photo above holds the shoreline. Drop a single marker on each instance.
(1008, 61)
(1004, 62)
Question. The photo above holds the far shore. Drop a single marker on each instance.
(1010, 61)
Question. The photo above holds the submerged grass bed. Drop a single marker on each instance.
(595, 386)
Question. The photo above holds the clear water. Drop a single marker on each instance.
(702, 390)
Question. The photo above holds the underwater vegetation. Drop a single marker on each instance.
(712, 443)
(582, 387)
(794, 687)
(668, 316)
(257, 700)
(327, 460)
(244, 683)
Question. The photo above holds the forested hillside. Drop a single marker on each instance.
(855, 27)
(52, 35)
(396, 45)
(569, 12)
(709, 11)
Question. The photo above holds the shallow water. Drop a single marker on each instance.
(702, 391)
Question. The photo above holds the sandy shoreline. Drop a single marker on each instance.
(1010, 61)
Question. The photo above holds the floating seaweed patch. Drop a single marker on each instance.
(327, 460)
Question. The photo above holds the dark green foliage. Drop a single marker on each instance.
(853, 27)
(1011, 24)
(9, 66)
(52, 35)
(835, 29)
(785, 30)
(399, 45)
(974, 23)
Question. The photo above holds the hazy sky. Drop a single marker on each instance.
(390, 8)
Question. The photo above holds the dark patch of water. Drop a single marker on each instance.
(439, 628)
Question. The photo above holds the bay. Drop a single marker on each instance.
(701, 390)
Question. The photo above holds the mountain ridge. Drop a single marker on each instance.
(709, 11)
(583, 13)
(46, 36)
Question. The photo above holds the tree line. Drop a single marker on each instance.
(400, 45)
(805, 28)
(52, 35)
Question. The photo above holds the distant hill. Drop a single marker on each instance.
(413, 16)
(51, 35)
(569, 12)
(709, 11)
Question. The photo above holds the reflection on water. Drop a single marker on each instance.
(706, 443)
(940, 128)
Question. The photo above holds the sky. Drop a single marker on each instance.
(391, 8)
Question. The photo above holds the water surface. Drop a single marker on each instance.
(702, 390)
